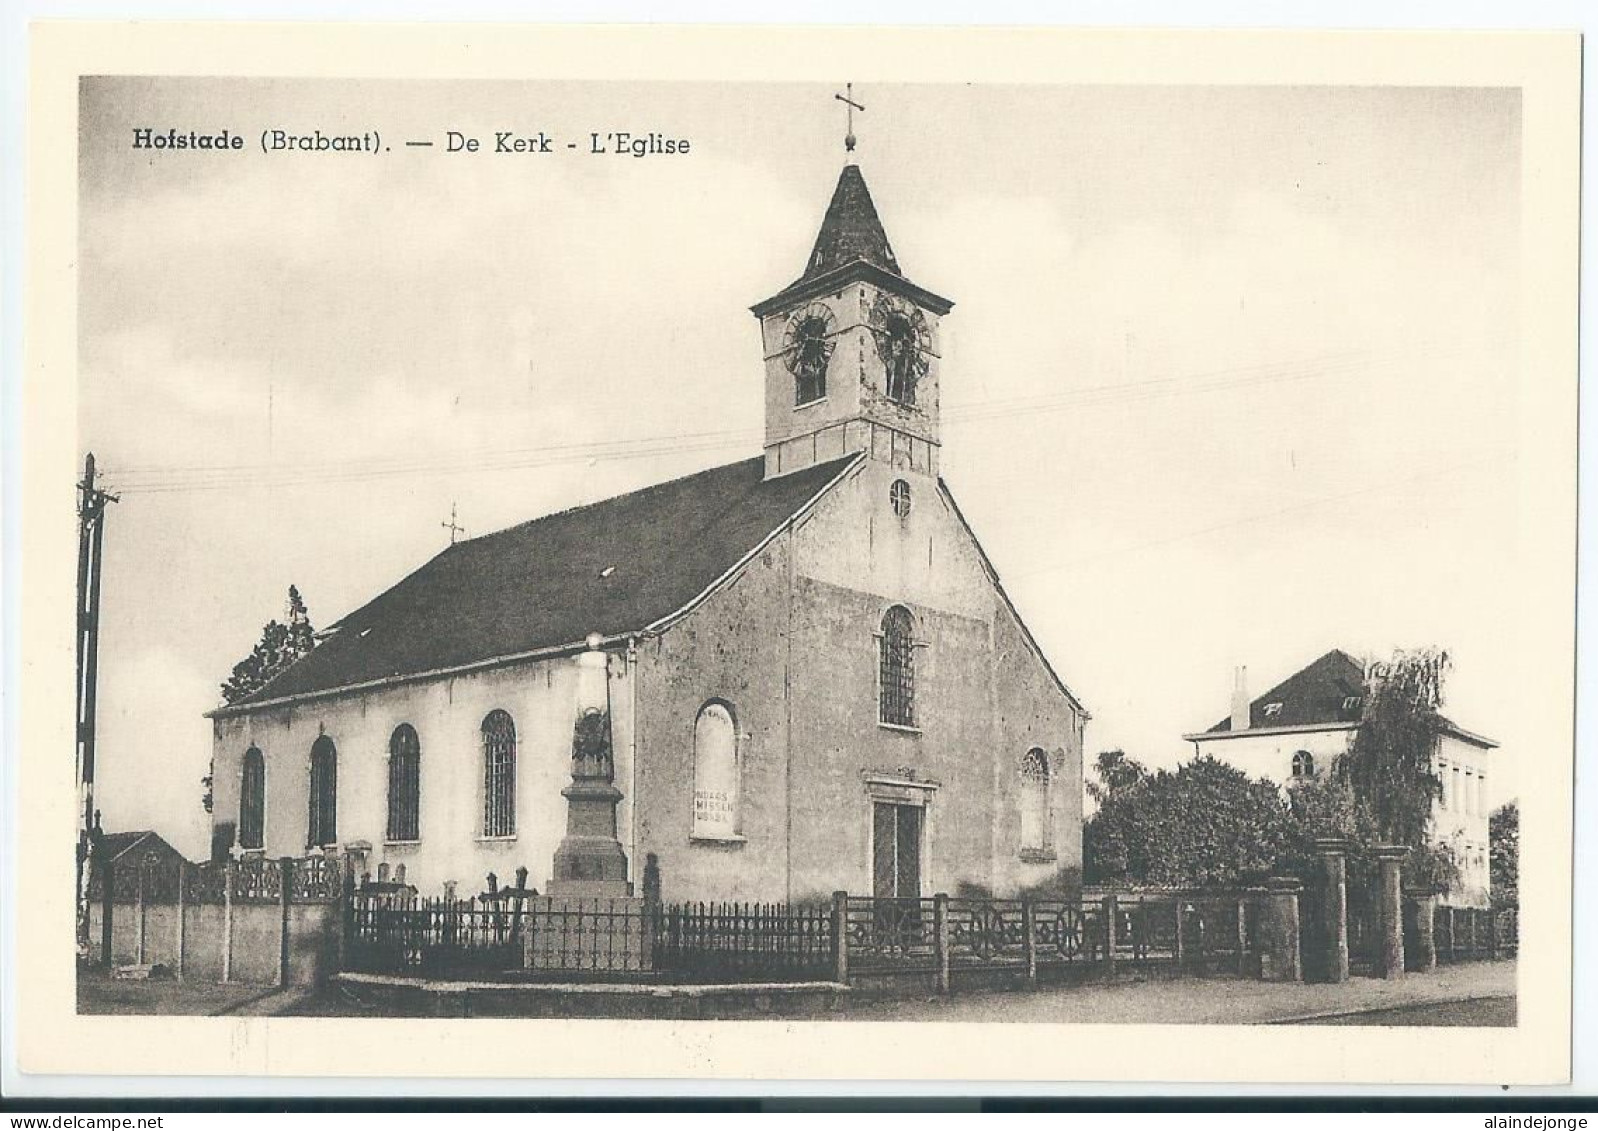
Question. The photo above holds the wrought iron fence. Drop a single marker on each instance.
(588, 936)
(395, 931)
(398, 932)
(255, 879)
(890, 932)
(762, 941)
(1467, 934)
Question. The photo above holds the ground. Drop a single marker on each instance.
(1480, 993)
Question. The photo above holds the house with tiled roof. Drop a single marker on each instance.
(138, 846)
(1297, 730)
(774, 679)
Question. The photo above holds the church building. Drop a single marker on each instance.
(782, 677)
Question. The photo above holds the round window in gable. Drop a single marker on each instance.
(899, 496)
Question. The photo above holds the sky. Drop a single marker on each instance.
(1231, 378)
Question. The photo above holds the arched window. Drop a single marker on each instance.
(252, 800)
(897, 668)
(1037, 828)
(715, 773)
(1303, 764)
(499, 775)
(324, 793)
(404, 784)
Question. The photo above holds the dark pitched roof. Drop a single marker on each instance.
(1312, 696)
(850, 231)
(851, 244)
(119, 844)
(1330, 691)
(612, 567)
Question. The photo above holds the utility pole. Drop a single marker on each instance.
(92, 501)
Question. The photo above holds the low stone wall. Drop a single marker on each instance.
(259, 922)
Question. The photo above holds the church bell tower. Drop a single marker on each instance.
(851, 349)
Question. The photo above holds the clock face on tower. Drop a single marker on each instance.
(902, 337)
(807, 345)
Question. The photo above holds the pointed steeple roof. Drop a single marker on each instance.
(851, 244)
(850, 231)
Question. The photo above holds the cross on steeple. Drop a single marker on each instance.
(847, 98)
(452, 526)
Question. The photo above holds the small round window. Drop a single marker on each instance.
(899, 496)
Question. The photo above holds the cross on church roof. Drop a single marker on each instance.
(847, 98)
(454, 528)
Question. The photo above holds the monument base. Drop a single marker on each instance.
(588, 867)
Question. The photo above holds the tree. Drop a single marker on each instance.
(1503, 854)
(279, 647)
(1206, 824)
(1387, 770)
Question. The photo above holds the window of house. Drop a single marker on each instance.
(499, 775)
(1351, 703)
(324, 793)
(715, 773)
(1272, 710)
(1303, 764)
(899, 497)
(252, 800)
(1037, 827)
(404, 784)
(896, 668)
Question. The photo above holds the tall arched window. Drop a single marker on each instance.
(252, 800)
(499, 775)
(1036, 826)
(404, 784)
(896, 676)
(715, 773)
(1303, 764)
(324, 793)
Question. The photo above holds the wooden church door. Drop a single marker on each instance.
(895, 851)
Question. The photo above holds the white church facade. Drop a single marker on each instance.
(801, 670)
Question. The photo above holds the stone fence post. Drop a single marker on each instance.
(1334, 904)
(840, 937)
(183, 882)
(1029, 929)
(230, 876)
(285, 895)
(1111, 910)
(940, 934)
(1390, 910)
(1424, 901)
(1281, 957)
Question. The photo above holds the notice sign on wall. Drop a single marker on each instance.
(715, 774)
(714, 813)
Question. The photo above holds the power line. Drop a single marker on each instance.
(158, 479)
(1248, 520)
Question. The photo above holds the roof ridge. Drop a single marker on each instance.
(540, 585)
(575, 507)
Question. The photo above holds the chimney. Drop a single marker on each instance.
(1240, 700)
